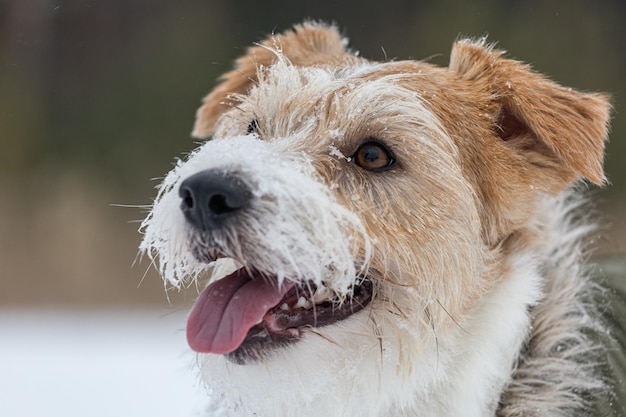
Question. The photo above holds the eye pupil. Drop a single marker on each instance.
(373, 156)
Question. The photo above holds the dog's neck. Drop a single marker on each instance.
(490, 343)
(532, 327)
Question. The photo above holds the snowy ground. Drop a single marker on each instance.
(84, 363)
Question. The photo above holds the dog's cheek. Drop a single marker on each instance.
(426, 236)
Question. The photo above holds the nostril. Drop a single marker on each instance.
(218, 205)
(187, 197)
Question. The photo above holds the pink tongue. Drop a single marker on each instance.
(228, 308)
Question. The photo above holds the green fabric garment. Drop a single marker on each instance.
(612, 274)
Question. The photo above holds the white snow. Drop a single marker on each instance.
(85, 363)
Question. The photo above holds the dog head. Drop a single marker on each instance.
(354, 209)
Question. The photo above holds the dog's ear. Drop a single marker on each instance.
(557, 126)
(305, 45)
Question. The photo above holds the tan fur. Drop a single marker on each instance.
(308, 44)
(487, 152)
(557, 133)
(521, 134)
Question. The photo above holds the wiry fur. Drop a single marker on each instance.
(480, 302)
(286, 196)
(557, 373)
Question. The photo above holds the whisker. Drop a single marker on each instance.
(139, 206)
(432, 326)
(323, 336)
(452, 318)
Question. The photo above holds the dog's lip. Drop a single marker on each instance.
(286, 321)
(299, 308)
(244, 305)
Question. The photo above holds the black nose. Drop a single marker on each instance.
(212, 196)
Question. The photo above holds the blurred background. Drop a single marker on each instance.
(97, 99)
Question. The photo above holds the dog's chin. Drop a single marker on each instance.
(259, 346)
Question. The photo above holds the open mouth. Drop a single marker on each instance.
(246, 312)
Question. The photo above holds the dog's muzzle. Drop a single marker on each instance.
(300, 257)
(248, 313)
(211, 197)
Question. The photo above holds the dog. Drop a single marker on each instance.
(386, 238)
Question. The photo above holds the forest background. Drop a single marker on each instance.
(97, 99)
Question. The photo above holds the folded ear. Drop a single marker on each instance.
(565, 127)
(306, 45)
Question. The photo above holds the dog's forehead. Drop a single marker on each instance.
(298, 85)
(335, 102)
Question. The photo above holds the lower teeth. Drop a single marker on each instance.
(303, 303)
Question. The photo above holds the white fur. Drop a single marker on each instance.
(299, 231)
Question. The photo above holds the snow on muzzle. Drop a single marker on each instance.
(292, 228)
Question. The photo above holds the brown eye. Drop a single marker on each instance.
(373, 156)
